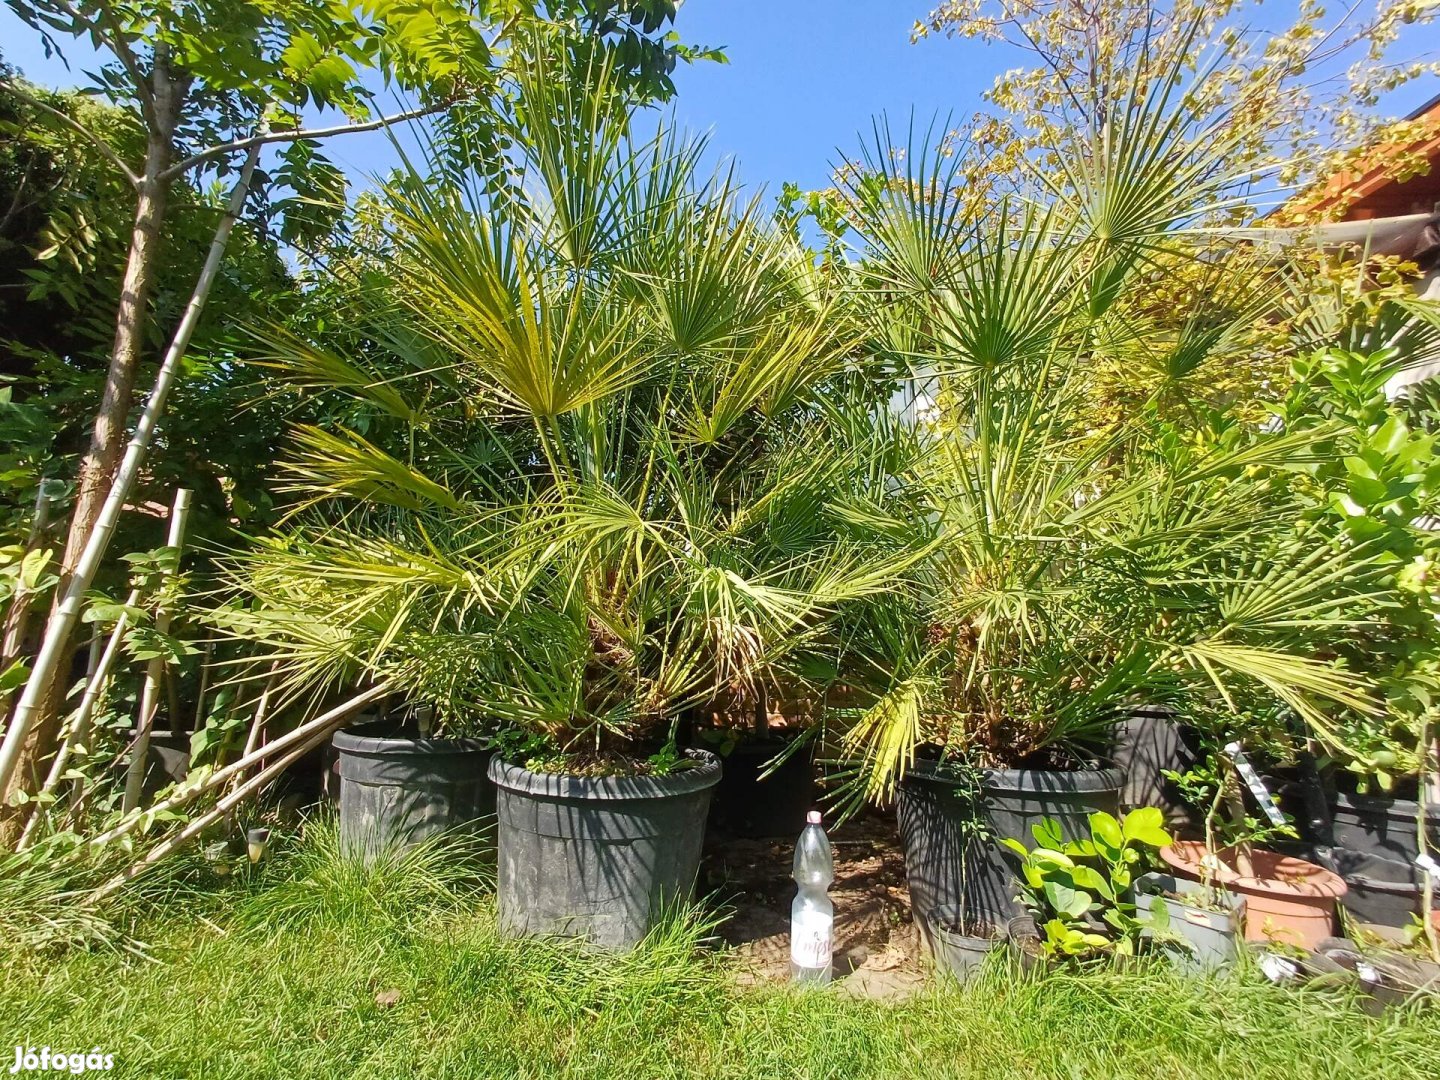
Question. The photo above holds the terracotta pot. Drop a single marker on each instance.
(1287, 900)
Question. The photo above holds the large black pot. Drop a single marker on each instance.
(751, 805)
(1149, 741)
(598, 858)
(1375, 840)
(1382, 827)
(952, 855)
(398, 791)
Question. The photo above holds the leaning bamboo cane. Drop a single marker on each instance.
(222, 807)
(53, 650)
(319, 727)
(262, 713)
(80, 724)
(150, 695)
(204, 821)
(204, 689)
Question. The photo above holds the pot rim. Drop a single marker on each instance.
(942, 919)
(349, 741)
(1060, 781)
(1406, 810)
(521, 780)
(1319, 884)
(1170, 883)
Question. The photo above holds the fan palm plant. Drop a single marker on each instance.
(1082, 565)
(626, 470)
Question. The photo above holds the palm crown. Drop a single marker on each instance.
(630, 470)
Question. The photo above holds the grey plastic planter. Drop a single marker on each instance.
(952, 858)
(598, 858)
(1207, 940)
(960, 954)
(399, 791)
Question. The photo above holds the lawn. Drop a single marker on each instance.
(320, 969)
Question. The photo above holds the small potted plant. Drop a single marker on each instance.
(960, 945)
(1204, 923)
(1082, 894)
(1288, 900)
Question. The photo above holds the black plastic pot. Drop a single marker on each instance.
(1371, 842)
(952, 857)
(957, 949)
(598, 858)
(1200, 938)
(1381, 827)
(398, 791)
(750, 805)
(1026, 949)
(1381, 891)
(1149, 741)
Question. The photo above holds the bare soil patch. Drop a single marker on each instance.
(877, 952)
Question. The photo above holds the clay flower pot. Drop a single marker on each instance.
(1287, 900)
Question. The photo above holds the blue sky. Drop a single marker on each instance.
(805, 76)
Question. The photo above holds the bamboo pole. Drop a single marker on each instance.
(228, 802)
(155, 670)
(319, 727)
(79, 729)
(208, 656)
(54, 648)
(262, 712)
(1429, 773)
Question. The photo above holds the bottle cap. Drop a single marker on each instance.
(813, 817)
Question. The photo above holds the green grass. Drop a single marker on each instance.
(279, 978)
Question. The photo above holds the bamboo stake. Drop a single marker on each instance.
(94, 686)
(1244, 865)
(53, 649)
(204, 687)
(98, 673)
(228, 802)
(150, 696)
(1429, 771)
(262, 710)
(319, 727)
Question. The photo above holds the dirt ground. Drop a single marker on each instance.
(877, 952)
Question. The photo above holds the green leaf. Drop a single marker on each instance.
(13, 676)
(1016, 846)
(1106, 829)
(1047, 833)
(1146, 825)
(1069, 902)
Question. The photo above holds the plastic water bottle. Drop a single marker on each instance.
(812, 915)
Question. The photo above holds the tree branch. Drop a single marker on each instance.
(95, 140)
(298, 135)
(121, 48)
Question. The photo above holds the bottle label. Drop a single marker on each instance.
(810, 939)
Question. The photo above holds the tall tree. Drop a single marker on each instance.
(1298, 82)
